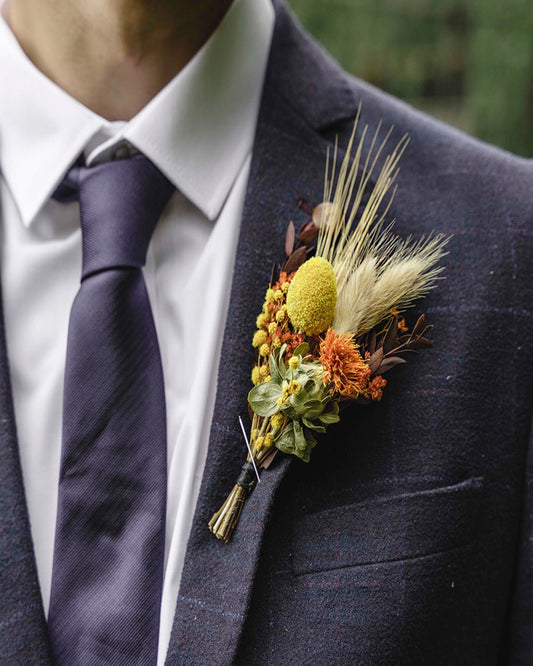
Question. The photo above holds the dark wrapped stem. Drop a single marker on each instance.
(226, 518)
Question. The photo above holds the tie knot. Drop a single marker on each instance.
(120, 204)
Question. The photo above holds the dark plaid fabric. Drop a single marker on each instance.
(406, 539)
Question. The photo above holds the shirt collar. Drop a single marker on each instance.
(198, 130)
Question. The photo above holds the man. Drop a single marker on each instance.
(406, 539)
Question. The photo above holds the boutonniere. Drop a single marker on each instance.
(331, 323)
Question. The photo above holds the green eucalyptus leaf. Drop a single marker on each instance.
(301, 350)
(274, 372)
(310, 438)
(299, 439)
(329, 417)
(285, 441)
(313, 408)
(263, 398)
(313, 426)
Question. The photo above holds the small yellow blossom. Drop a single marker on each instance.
(264, 350)
(279, 295)
(261, 321)
(258, 444)
(295, 387)
(268, 441)
(276, 343)
(264, 371)
(272, 329)
(276, 421)
(281, 314)
(312, 296)
(260, 337)
(255, 434)
(269, 298)
(256, 376)
(285, 287)
(294, 362)
(268, 378)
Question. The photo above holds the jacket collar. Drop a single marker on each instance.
(287, 165)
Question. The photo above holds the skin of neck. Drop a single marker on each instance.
(113, 56)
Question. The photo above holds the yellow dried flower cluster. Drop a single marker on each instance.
(273, 328)
(263, 442)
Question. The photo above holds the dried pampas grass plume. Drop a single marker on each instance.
(376, 271)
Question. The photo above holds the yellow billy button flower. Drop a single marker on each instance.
(312, 296)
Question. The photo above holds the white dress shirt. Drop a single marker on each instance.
(199, 131)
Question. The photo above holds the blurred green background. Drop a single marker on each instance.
(468, 62)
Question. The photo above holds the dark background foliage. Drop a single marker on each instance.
(467, 62)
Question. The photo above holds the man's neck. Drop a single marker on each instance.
(115, 56)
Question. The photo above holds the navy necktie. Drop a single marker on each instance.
(109, 544)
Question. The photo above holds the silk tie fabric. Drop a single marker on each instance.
(109, 543)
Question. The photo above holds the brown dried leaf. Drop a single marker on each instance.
(376, 359)
(419, 326)
(274, 275)
(308, 233)
(267, 461)
(390, 341)
(389, 363)
(296, 259)
(419, 343)
(289, 239)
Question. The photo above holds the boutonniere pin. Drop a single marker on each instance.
(331, 323)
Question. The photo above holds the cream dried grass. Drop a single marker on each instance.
(375, 270)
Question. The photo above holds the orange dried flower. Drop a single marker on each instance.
(402, 326)
(375, 388)
(343, 365)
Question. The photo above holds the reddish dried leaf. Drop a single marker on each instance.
(419, 326)
(420, 343)
(376, 359)
(267, 461)
(289, 239)
(308, 233)
(296, 259)
(391, 337)
(274, 276)
(389, 363)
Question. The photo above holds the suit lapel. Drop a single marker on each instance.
(23, 636)
(287, 165)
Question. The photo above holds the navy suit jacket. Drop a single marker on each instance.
(407, 538)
